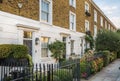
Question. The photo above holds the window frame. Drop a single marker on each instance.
(95, 31)
(72, 4)
(88, 6)
(88, 27)
(109, 27)
(95, 16)
(101, 21)
(106, 25)
(72, 28)
(50, 12)
(47, 55)
(72, 45)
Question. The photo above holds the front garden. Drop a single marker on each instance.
(107, 49)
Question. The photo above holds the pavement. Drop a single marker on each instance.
(109, 73)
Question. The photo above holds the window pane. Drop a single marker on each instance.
(72, 21)
(45, 6)
(44, 52)
(27, 34)
(86, 7)
(45, 11)
(72, 46)
(72, 3)
(86, 25)
(44, 16)
(44, 46)
(72, 18)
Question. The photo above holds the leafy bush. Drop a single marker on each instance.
(56, 78)
(108, 40)
(113, 56)
(58, 49)
(15, 51)
(5, 51)
(118, 54)
(96, 65)
(64, 74)
(106, 57)
(83, 69)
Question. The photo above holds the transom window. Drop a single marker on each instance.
(27, 34)
(86, 25)
(44, 46)
(72, 3)
(86, 7)
(72, 21)
(64, 39)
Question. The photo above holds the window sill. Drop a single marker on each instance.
(47, 23)
(47, 59)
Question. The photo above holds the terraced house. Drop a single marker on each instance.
(36, 23)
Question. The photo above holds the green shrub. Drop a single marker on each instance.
(108, 40)
(106, 57)
(56, 78)
(5, 51)
(118, 54)
(113, 56)
(14, 51)
(64, 74)
(83, 67)
(58, 49)
(11, 50)
(19, 51)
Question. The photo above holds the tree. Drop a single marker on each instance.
(58, 49)
(108, 40)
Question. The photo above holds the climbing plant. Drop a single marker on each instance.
(89, 38)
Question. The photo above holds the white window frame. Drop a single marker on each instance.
(101, 21)
(87, 8)
(72, 4)
(45, 47)
(72, 46)
(95, 15)
(108, 26)
(95, 31)
(111, 28)
(105, 24)
(87, 27)
(72, 28)
(50, 12)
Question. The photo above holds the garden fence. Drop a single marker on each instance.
(65, 71)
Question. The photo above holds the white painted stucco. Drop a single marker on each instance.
(11, 34)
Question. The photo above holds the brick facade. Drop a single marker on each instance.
(61, 9)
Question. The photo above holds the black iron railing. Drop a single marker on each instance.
(69, 71)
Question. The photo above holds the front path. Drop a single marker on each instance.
(109, 73)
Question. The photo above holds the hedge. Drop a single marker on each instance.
(11, 50)
(14, 51)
